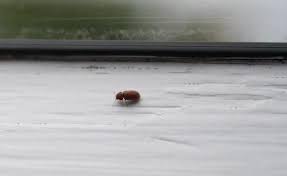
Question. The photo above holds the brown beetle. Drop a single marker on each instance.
(130, 95)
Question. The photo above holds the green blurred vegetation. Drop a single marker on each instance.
(94, 20)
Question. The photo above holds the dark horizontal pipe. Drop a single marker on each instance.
(141, 48)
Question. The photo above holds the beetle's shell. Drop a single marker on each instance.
(130, 95)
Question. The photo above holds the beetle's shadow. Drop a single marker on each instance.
(128, 103)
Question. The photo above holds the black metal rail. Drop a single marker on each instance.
(141, 48)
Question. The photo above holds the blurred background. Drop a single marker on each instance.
(156, 20)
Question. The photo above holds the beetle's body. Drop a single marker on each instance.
(130, 95)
